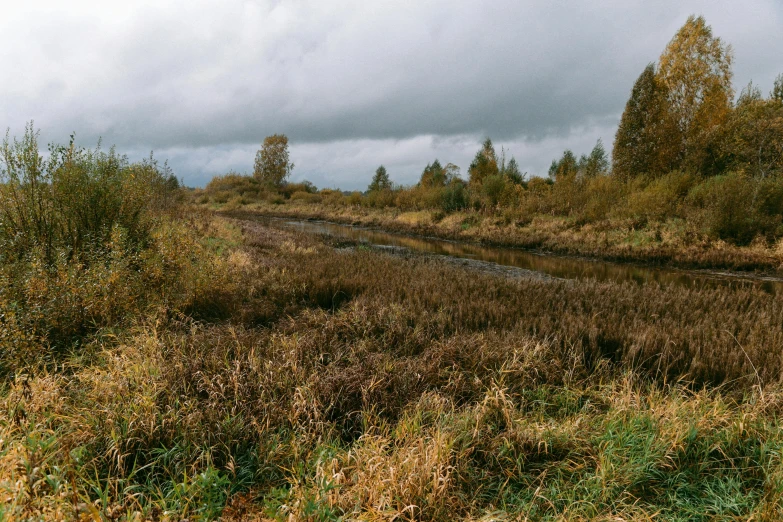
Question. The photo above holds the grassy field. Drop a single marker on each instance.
(279, 376)
(674, 242)
(159, 361)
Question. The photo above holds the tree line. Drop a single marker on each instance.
(684, 148)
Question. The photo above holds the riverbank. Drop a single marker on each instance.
(672, 244)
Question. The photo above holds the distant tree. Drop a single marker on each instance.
(434, 175)
(695, 68)
(452, 174)
(426, 176)
(484, 164)
(380, 181)
(512, 172)
(647, 142)
(777, 89)
(566, 166)
(272, 165)
(596, 163)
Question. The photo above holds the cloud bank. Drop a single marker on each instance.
(353, 84)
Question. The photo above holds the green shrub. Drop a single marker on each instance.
(70, 203)
(454, 197)
(418, 197)
(659, 199)
(411, 198)
(737, 208)
(492, 189)
(221, 197)
(48, 307)
(532, 199)
(769, 196)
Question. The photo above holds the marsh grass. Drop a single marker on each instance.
(283, 378)
(169, 364)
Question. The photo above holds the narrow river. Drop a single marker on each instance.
(552, 265)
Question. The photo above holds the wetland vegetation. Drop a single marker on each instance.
(695, 179)
(161, 361)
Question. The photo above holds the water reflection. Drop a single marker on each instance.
(557, 266)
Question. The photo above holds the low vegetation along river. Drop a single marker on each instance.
(540, 263)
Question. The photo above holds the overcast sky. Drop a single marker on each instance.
(354, 84)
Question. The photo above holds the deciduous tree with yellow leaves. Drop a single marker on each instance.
(695, 69)
(272, 165)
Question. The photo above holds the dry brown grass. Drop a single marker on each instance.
(693, 333)
(320, 383)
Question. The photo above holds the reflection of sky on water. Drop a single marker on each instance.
(557, 266)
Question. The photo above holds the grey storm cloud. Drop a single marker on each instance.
(353, 84)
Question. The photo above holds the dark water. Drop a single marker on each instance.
(553, 265)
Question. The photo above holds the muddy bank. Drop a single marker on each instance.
(514, 262)
(586, 242)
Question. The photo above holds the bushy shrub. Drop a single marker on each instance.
(380, 198)
(659, 199)
(428, 197)
(454, 197)
(221, 197)
(492, 189)
(48, 307)
(532, 199)
(332, 197)
(539, 187)
(419, 197)
(80, 246)
(289, 189)
(71, 203)
(275, 198)
(768, 196)
(306, 197)
(233, 182)
(228, 187)
(737, 208)
(409, 198)
(601, 195)
(567, 195)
